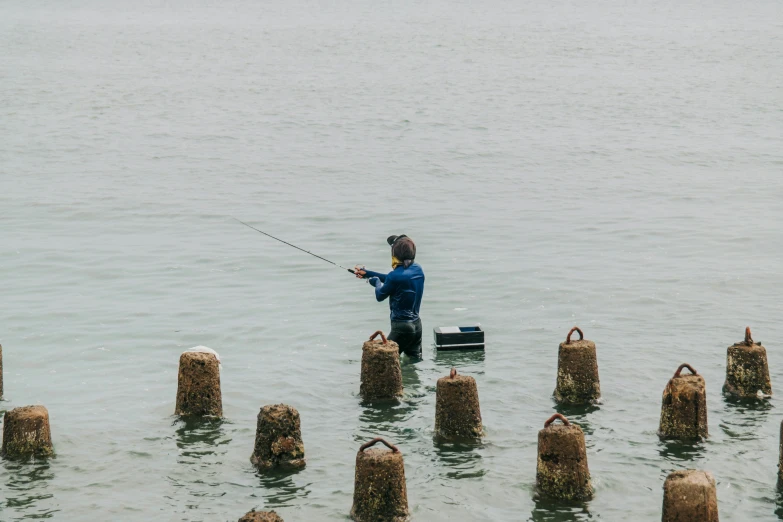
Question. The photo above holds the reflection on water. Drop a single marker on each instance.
(747, 405)
(676, 451)
(26, 487)
(411, 383)
(203, 444)
(379, 414)
(280, 488)
(460, 460)
(391, 415)
(552, 510)
(743, 418)
(457, 358)
(576, 411)
(198, 438)
(578, 415)
(387, 419)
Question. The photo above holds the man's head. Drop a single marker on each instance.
(403, 249)
(392, 239)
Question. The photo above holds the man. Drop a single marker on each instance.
(404, 285)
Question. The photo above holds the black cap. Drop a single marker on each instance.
(392, 239)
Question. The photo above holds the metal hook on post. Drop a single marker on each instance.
(748, 337)
(555, 417)
(684, 365)
(375, 441)
(376, 334)
(575, 329)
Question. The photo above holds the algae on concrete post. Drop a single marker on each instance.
(684, 407)
(26, 433)
(747, 370)
(278, 439)
(577, 371)
(379, 492)
(198, 385)
(690, 495)
(261, 516)
(457, 411)
(562, 470)
(381, 374)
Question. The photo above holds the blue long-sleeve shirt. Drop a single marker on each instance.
(405, 287)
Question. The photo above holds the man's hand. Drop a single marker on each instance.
(359, 271)
(374, 281)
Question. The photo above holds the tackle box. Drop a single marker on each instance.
(459, 338)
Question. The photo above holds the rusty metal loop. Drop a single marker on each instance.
(554, 417)
(383, 337)
(375, 441)
(575, 329)
(685, 365)
(748, 337)
(453, 373)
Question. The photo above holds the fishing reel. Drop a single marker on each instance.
(362, 268)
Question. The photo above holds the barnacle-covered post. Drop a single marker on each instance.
(261, 516)
(381, 373)
(780, 458)
(278, 439)
(689, 495)
(684, 407)
(379, 492)
(577, 371)
(457, 411)
(198, 385)
(27, 433)
(747, 370)
(562, 470)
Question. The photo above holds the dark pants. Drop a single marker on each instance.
(408, 336)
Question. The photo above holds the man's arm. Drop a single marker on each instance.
(379, 275)
(383, 289)
(363, 273)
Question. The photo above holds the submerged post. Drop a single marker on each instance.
(562, 470)
(684, 407)
(690, 495)
(381, 374)
(577, 371)
(379, 492)
(747, 371)
(261, 516)
(27, 433)
(198, 386)
(457, 411)
(278, 439)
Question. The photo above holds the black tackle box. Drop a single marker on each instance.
(459, 338)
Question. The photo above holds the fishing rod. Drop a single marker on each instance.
(351, 270)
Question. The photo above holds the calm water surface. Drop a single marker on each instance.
(612, 164)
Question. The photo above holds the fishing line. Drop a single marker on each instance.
(296, 247)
